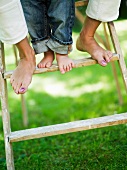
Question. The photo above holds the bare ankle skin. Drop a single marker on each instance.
(86, 42)
(47, 61)
(64, 62)
(22, 76)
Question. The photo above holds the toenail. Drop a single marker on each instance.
(22, 89)
(103, 62)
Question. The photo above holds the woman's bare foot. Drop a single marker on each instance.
(64, 62)
(22, 76)
(86, 42)
(47, 60)
(89, 45)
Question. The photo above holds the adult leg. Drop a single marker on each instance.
(96, 13)
(61, 17)
(13, 30)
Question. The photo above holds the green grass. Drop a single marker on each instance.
(80, 94)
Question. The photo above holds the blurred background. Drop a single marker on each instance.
(82, 93)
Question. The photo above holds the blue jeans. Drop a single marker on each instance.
(50, 24)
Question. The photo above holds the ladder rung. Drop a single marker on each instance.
(68, 127)
(78, 63)
(81, 3)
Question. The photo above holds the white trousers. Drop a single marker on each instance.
(103, 10)
(13, 26)
(12, 22)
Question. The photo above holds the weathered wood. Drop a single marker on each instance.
(108, 47)
(119, 51)
(78, 63)
(5, 112)
(81, 3)
(68, 127)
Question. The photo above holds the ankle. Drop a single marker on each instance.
(28, 54)
(86, 37)
(61, 55)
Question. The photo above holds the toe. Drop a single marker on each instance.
(102, 63)
(106, 57)
(67, 68)
(72, 65)
(22, 90)
(17, 88)
(110, 54)
(40, 65)
(61, 70)
(48, 64)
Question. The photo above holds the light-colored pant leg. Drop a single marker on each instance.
(103, 10)
(12, 22)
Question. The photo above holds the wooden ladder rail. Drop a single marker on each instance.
(5, 111)
(117, 48)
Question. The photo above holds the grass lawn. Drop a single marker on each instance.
(52, 98)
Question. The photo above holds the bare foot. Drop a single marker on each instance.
(64, 62)
(22, 76)
(47, 60)
(88, 44)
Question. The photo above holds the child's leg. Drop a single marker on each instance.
(61, 17)
(86, 42)
(64, 62)
(39, 30)
(47, 61)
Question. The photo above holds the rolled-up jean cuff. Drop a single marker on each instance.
(58, 48)
(40, 46)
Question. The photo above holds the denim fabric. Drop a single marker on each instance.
(50, 24)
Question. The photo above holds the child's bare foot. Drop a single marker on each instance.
(47, 60)
(22, 76)
(64, 62)
(89, 45)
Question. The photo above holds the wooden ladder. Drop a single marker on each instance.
(63, 128)
(105, 43)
